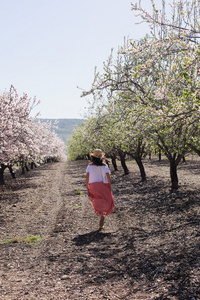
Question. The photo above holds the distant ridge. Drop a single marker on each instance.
(64, 126)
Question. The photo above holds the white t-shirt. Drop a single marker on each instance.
(97, 173)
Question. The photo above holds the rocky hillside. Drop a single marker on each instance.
(64, 126)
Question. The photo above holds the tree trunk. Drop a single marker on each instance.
(12, 172)
(173, 174)
(123, 163)
(3, 167)
(26, 167)
(33, 165)
(159, 155)
(114, 163)
(23, 170)
(141, 167)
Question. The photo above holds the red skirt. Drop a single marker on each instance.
(101, 198)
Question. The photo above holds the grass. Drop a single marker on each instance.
(29, 240)
(79, 192)
(76, 207)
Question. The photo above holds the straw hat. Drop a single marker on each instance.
(97, 153)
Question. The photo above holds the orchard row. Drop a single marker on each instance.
(148, 99)
(23, 140)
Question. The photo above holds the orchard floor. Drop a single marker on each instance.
(149, 248)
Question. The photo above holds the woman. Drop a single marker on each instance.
(98, 185)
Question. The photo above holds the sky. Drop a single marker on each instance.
(51, 47)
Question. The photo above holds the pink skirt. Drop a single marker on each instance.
(101, 198)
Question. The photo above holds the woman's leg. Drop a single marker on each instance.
(101, 222)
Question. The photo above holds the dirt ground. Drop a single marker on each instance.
(149, 248)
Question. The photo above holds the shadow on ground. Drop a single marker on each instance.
(159, 253)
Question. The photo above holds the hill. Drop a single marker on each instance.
(64, 126)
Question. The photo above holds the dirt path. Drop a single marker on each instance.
(148, 250)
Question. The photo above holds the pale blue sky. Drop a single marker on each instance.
(49, 47)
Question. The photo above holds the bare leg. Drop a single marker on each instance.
(101, 222)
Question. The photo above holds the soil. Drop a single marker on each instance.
(149, 248)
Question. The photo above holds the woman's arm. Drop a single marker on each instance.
(109, 179)
(87, 180)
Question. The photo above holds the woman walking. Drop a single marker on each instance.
(98, 185)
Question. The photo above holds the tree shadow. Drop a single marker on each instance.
(124, 256)
(158, 253)
(9, 197)
(24, 181)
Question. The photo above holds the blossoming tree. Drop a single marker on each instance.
(22, 140)
(160, 76)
